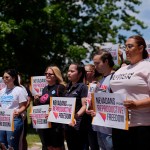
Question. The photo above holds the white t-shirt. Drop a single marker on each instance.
(10, 99)
(134, 81)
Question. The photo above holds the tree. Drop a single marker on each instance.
(36, 33)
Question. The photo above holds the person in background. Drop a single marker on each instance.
(76, 133)
(12, 97)
(52, 138)
(134, 81)
(104, 63)
(23, 145)
(91, 78)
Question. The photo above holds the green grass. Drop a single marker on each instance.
(32, 136)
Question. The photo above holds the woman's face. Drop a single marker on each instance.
(50, 76)
(8, 80)
(133, 51)
(89, 72)
(73, 74)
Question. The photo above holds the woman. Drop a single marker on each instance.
(77, 133)
(134, 81)
(91, 78)
(12, 97)
(52, 138)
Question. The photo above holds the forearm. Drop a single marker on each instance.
(81, 111)
(137, 104)
(22, 107)
(143, 103)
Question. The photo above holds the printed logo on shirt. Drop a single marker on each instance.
(53, 92)
(102, 88)
(6, 100)
(122, 76)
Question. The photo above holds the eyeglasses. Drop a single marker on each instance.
(5, 77)
(129, 46)
(48, 74)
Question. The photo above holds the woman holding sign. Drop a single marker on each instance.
(134, 81)
(92, 77)
(76, 132)
(52, 138)
(12, 97)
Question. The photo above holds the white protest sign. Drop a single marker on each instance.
(39, 116)
(2, 84)
(148, 48)
(91, 89)
(113, 49)
(6, 119)
(110, 111)
(37, 84)
(62, 109)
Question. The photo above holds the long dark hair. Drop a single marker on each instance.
(80, 69)
(14, 74)
(140, 41)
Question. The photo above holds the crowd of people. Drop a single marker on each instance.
(132, 79)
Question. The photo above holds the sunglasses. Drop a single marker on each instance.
(48, 74)
(5, 77)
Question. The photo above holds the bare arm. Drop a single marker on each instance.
(136, 104)
(22, 108)
(82, 109)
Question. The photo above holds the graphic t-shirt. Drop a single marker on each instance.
(11, 98)
(134, 81)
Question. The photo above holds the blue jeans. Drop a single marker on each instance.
(11, 138)
(105, 141)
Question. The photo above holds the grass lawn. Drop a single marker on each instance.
(32, 136)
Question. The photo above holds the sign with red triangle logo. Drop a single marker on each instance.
(37, 90)
(34, 121)
(103, 115)
(56, 114)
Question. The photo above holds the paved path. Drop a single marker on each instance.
(36, 146)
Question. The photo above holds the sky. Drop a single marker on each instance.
(144, 16)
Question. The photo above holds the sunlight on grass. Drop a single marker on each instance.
(32, 136)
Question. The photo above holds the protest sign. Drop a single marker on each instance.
(148, 48)
(62, 109)
(39, 116)
(91, 89)
(2, 84)
(37, 84)
(110, 111)
(113, 49)
(6, 119)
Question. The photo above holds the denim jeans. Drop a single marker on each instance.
(105, 141)
(11, 138)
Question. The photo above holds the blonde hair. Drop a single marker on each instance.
(57, 73)
(92, 67)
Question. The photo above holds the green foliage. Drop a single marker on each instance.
(35, 33)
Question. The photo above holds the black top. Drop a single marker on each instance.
(78, 90)
(57, 90)
(51, 91)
